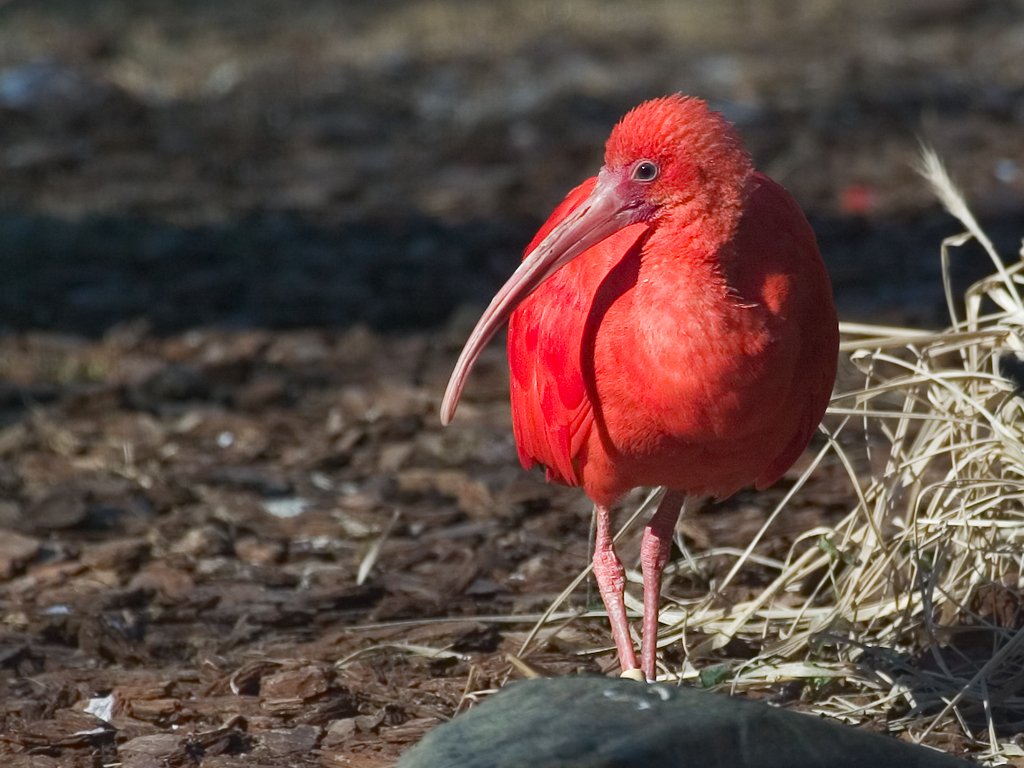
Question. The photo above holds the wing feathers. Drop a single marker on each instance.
(551, 415)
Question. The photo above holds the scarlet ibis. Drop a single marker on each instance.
(672, 323)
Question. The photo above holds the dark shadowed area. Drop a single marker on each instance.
(241, 244)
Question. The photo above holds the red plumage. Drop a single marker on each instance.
(709, 363)
(673, 325)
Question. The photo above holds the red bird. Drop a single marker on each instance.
(672, 324)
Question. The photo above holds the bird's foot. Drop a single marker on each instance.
(634, 674)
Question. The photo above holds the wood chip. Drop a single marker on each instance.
(290, 741)
(116, 555)
(161, 745)
(290, 690)
(152, 710)
(339, 731)
(16, 551)
(171, 584)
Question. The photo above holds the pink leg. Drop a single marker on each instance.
(654, 551)
(611, 581)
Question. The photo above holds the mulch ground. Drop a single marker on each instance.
(235, 241)
(247, 545)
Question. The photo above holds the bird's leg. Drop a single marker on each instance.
(611, 582)
(654, 551)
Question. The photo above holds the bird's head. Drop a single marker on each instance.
(667, 155)
(675, 152)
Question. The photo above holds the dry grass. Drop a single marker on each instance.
(908, 611)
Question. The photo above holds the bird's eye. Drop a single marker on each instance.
(645, 171)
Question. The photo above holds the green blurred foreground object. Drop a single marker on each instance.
(613, 723)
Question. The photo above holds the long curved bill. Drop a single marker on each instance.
(597, 217)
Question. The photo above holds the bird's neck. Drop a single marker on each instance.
(705, 219)
(698, 234)
(687, 263)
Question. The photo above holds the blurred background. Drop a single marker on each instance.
(326, 163)
(240, 246)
